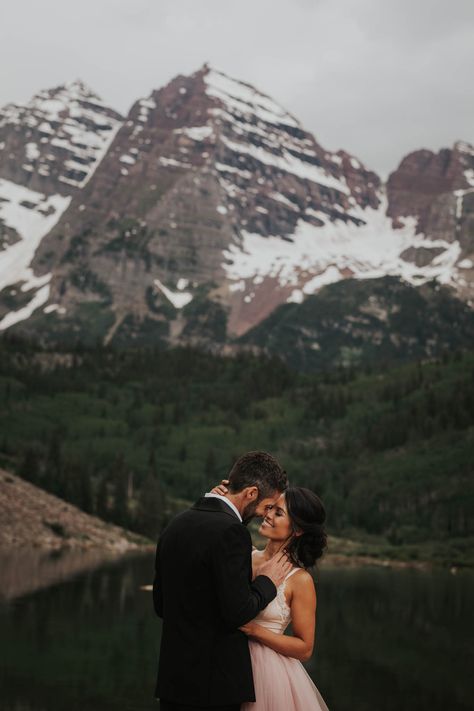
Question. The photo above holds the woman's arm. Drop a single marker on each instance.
(303, 612)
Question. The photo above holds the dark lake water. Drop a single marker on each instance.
(386, 640)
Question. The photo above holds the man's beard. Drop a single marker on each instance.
(249, 512)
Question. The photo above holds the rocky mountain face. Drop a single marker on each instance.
(53, 143)
(49, 149)
(203, 211)
(437, 190)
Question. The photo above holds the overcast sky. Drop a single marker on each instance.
(379, 78)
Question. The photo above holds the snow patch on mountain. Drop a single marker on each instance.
(173, 162)
(337, 249)
(31, 215)
(288, 163)
(127, 159)
(469, 175)
(196, 133)
(178, 299)
(54, 307)
(245, 99)
(40, 298)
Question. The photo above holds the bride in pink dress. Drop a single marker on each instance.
(294, 526)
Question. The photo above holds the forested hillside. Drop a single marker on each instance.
(125, 434)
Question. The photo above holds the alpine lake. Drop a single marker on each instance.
(387, 639)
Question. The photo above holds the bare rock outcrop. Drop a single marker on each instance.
(32, 518)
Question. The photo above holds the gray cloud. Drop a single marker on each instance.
(378, 78)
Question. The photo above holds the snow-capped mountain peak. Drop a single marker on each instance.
(211, 184)
(245, 100)
(56, 140)
(49, 149)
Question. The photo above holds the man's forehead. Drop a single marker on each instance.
(275, 497)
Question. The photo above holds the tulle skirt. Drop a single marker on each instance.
(281, 683)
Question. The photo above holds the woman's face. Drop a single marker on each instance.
(277, 525)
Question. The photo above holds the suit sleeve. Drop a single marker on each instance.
(157, 587)
(239, 600)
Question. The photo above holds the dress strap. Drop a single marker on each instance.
(293, 570)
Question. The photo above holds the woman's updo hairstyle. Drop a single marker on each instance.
(307, 516)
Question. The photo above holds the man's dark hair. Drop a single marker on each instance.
(258, 469)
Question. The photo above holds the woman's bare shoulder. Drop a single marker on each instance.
(302, 580)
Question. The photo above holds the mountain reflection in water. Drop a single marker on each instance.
(386, 640)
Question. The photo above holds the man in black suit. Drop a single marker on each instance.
(203, 590)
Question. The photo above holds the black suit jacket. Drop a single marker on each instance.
(203, 590)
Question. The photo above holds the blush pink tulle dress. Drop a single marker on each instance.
(281, 683)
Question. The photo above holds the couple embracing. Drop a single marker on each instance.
(225, 607)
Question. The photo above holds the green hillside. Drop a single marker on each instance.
(123, 434)
(354, 322)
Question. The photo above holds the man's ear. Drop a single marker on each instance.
(251, 492)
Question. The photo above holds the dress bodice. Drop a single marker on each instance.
(281, 682)
(277, 614)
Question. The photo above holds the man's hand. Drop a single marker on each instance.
(277, 568)
(222, 488)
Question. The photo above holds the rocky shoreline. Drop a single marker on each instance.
(33, 518)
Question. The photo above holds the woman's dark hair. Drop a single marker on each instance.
(307, 516)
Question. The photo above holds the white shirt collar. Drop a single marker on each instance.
(229, 503)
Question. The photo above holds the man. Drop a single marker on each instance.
(204, 592)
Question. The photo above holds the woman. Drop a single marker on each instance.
(295, 526)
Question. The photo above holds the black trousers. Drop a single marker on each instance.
(167, 706)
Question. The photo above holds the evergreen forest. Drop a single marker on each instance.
(134, 435)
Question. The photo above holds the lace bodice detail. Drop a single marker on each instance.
(277, 614)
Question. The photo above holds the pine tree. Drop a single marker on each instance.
(30, 466)
(120, 510)
(151, 507)
(86, 500)
(210, 465)
(102, 503)
(54, 475)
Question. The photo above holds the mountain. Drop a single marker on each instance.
(211, 207)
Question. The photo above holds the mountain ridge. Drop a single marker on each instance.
(210, 206)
